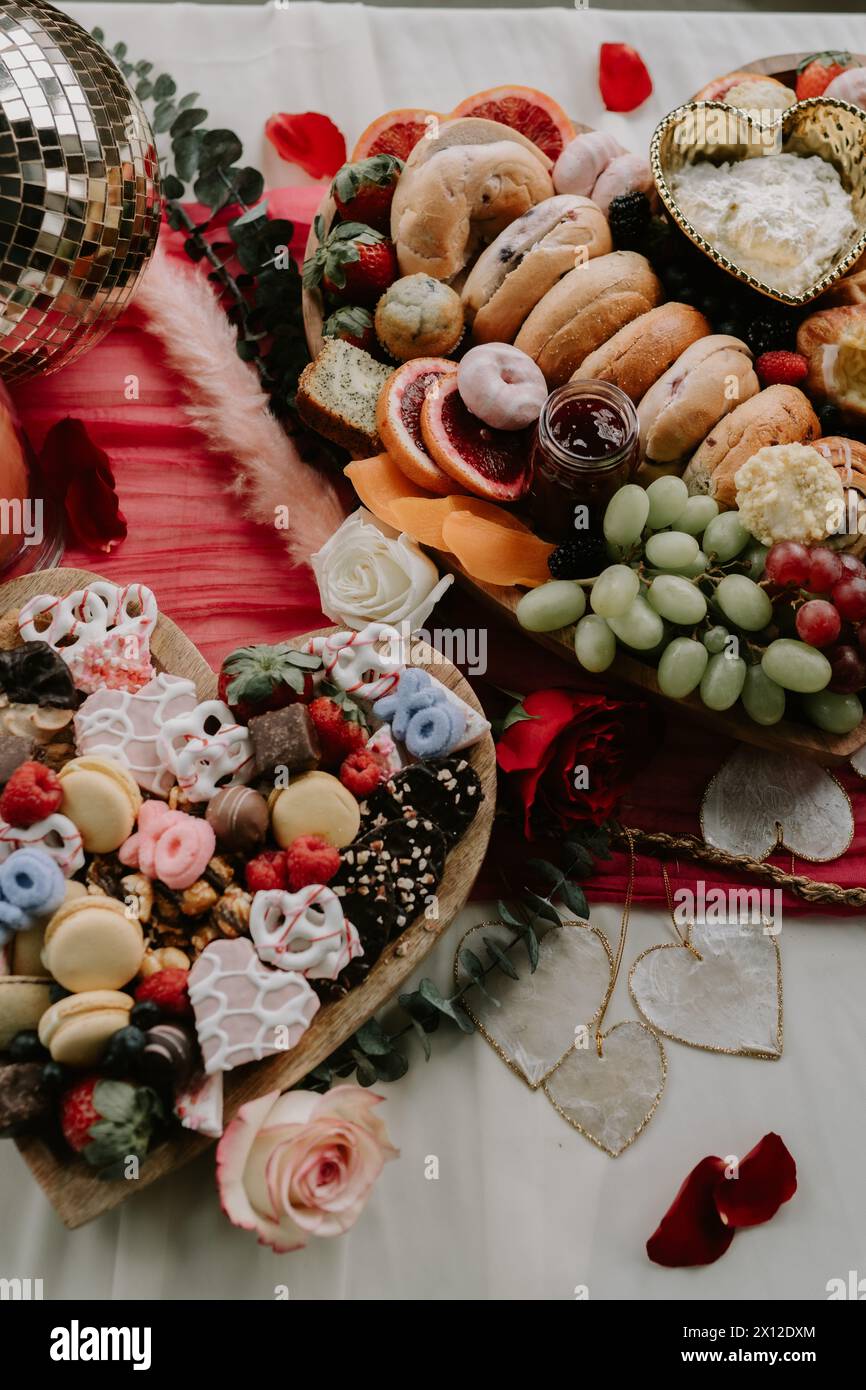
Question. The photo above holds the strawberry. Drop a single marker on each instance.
(353, 264)
(816, 72)
(338, 735)
(310, 859)
(353, 324)
(32, 793)
(255, 679)
(168, 989)
(363, 191)
(781, 368)
(109, 1121)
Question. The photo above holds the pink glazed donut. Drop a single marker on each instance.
(501, 385)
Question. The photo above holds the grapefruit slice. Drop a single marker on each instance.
(397, 132)
(495, 553)
(398, 420)
(379, 483)
(424, 520)
(535, 114)
(489, 463)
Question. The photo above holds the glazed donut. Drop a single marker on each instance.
(501, 385)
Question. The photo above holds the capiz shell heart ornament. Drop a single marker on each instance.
(610, 1099)
(759, 801)
(709, 130)
(534, 1025)
(727, 998)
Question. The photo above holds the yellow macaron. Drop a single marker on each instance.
(93, 943)
(76, 1029)
(23, 1001)
(315, 804)
(26, 946)
(102, 800)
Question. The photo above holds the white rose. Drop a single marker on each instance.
(365, 576)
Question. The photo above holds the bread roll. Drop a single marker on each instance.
(833, 341)
(705, 382)
(461, 190)
(777, 415)
(848, 457)
(635, 357)
(585, 308)
(526, 260)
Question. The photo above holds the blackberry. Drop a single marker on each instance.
(629, 218)
(775, 331)
(831, 419)
(580, 558)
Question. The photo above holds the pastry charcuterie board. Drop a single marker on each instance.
(73, 1188)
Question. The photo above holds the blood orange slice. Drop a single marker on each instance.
(398, 420)
(491, 463)
(397, 132)
(535, 114)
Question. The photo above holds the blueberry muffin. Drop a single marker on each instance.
(419, 317)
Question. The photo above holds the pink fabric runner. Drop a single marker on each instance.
(228, 582)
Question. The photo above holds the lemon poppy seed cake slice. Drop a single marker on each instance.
(337, 395)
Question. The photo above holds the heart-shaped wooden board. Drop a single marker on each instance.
(72, 1187)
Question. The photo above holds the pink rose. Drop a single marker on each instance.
(300, 1164)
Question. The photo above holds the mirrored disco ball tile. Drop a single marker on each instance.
(79, 190)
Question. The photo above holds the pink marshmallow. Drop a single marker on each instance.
(183, 851)
(628, 173)
(583, 160)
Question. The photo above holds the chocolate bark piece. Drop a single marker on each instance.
(25, 1099)
(34, 673)
(416, 849)
(13, 752)
(365, 884)
(285, 738)
(446, 791)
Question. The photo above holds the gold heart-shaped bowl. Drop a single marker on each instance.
(710, 130)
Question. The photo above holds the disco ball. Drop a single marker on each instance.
(79, 190)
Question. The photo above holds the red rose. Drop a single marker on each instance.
(78, 473)
(571, 757)
(309, 140)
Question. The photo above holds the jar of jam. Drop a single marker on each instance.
(586, 446)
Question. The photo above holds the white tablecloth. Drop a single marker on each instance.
(524, 1207)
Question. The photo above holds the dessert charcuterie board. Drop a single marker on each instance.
(73, 1188)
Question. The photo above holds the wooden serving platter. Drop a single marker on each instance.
(787, 736)
(72, 1187)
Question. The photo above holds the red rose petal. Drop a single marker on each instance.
(691, 1231)
(551, 711)
(310, 140)
(767, 1178)
(79, 474)
(623, 77)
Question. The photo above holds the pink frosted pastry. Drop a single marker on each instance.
(583, 160)
(628, 173)
(502, 386)
(244, 1009)
(126, 726)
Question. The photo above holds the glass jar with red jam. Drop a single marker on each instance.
(586, 446)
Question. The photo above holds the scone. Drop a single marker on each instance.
(833, 341)
(777, 415)
(418, 316)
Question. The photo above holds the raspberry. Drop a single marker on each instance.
(168, 989)
(310, 859)
(781, 368)
(266, 871)
(360, 773)
(338, 735)
(32, 793)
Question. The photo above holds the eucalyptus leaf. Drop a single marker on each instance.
(189, 100)
(172, 187)
(187, 120)
(549, 872)
(530, 941)
(372, 1039)
(163, 116)
(248, 218)
(501, 958)
(164, 86)
(476, 972)
(423, 1039)
(250, 185)
(366, 1073)
(220, 148)
(187, 152)
(508, 917)
(428, 991)
(573, 895)
(391, 1066)
(541, 907)
(119, 50)
(143, 89)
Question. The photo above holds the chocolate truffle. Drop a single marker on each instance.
(25, 1099)
(169, 1056)
(35, 673)
(239, 817)
(285, 738)
(13, 752)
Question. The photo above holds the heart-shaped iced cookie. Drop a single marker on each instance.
(125, 725)
(245, 1009)
(835, 131)
(611, 1098)
(534, 1025)
(728, 1001)
(759, 801)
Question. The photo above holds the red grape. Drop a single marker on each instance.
(852, 564)
(861, 637)
(788, 563)
(826, 569)
(849, 596)
(849, 670)
(818, 623)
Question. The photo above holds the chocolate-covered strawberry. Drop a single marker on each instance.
(256, 679)
(353, 264)
(363, 191)
(107, 1121)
